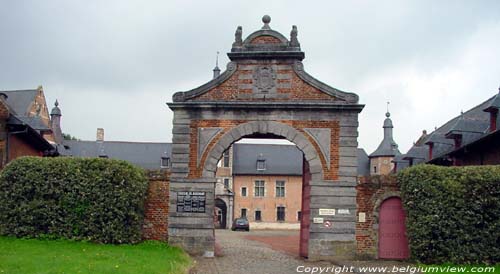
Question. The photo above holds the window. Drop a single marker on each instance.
(280, 213)
(261, 164)
(244, 191)
(259, 188)
(226, 183)
(165, 162)
(225, 162)
(280, 188)
(375, 169)
(243, 213)
(299, 216)
(258, 215)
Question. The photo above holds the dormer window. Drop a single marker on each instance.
(261, 164)
(165, 162)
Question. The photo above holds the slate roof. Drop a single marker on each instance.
(388, 147)
(400, 162)
(142, 154)
(363, 163)
(280, 159)
(472, 125)
(20, 100)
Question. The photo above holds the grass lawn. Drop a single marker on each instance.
(26, 256)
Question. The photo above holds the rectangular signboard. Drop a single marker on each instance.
(191, 201)
(327, 211)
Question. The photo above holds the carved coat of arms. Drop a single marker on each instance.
(264, 79)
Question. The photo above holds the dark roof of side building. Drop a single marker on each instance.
(20, 100)
(472, 125)
(363, 163)
(279, 159)
(142, 154)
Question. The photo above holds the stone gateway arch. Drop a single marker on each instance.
(266, 93)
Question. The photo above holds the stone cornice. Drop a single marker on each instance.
(312, 105)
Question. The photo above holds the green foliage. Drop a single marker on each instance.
(25, 256)
(67, 136)
(453, 213)
(90, 199)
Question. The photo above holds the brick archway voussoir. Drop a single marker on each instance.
(263, 127)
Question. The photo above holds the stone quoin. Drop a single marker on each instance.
(266, 93)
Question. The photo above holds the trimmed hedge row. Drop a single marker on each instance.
(453, 213)
(93, 199)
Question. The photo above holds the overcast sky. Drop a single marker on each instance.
(114, 64)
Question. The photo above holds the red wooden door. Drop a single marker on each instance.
(392, 243)
(305, 209)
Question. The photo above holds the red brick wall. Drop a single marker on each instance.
(298, 90)
(155, 225)
(330, 173)
(265, 39)
(371, 191)
(19, 148)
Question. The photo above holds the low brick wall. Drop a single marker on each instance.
(155, 225)
(371, 192)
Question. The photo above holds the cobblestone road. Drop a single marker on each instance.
(261, 252)
(243, 256)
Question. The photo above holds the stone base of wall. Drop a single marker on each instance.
(155, 226)
(193, 232)
(333, 251)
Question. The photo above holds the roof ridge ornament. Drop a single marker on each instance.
(266, 19)
(238, 40)
(294, 42)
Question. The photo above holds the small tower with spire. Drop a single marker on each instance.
(381, 159)
(55, 123)
(216, 69)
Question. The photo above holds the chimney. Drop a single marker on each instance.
(431, 147)
(492, 108)
(55, 123)
(493, 120)
(100, 135)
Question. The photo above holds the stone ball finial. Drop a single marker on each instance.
(388, 114)
(266, 19)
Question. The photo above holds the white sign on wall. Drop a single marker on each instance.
(318, 220)
(343, 211)
(327, 211)
(362, 217)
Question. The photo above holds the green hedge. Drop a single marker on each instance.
(453, 213)
(99, 200)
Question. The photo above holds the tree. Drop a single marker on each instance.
(67, 136)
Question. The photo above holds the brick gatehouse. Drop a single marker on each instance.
(265, 92)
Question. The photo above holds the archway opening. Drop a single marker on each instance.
(267, 178)
(220, 214)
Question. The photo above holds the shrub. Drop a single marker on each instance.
(453, 213)
(91, 199)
